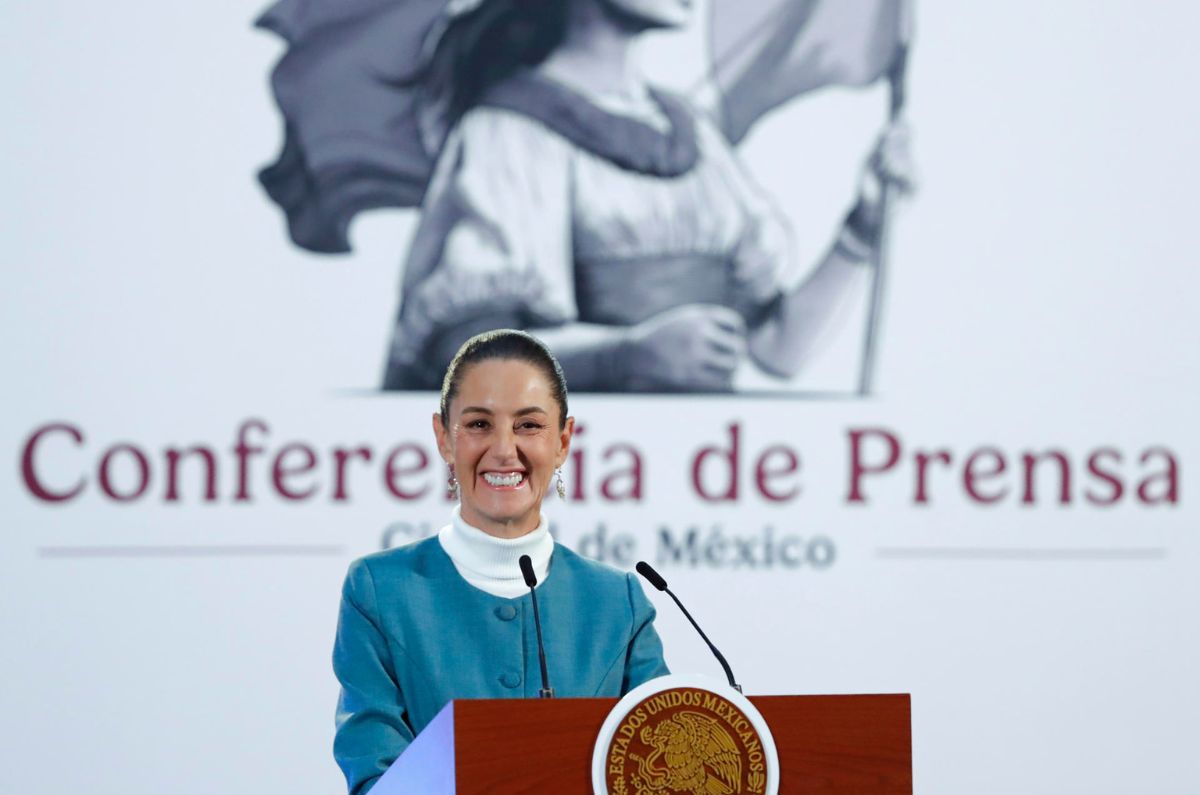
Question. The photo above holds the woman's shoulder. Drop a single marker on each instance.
(655, 136)
(595, 574)
(508, 132)
(415, 557)
(603, 588)
(493, 151)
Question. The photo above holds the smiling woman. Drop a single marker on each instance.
(503, 429)
(450, 617)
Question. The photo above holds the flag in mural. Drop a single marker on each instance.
(766, 52)
(351, 141)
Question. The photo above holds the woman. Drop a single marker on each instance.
(450, 617)
(613, 220)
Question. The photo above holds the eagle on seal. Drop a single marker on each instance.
(692, 754)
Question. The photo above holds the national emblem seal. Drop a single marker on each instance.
(684, 736)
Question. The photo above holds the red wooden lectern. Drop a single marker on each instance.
(833, 745)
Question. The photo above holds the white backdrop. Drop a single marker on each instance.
(1040, 298)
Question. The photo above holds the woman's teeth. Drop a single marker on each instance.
(511, 479)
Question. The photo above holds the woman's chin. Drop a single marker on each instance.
(506, 509)
(655, 14)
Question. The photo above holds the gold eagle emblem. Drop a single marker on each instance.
(692, 754)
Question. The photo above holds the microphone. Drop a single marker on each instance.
(656, 579)
(531, 580)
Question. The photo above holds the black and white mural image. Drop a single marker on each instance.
(562, 191)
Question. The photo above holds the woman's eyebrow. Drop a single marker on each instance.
(518, 413)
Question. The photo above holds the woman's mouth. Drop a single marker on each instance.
(504, 480)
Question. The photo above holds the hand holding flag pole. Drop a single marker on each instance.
(767, 52)
(896, 75)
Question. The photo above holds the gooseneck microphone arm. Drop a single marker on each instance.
(531, 580)
(656, 579)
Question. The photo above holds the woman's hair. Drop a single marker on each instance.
(487, 45)
(508, 344)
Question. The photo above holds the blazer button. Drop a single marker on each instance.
(506, 613)
(510, 679)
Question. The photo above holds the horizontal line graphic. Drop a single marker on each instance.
(190, 551)
(1022, 553)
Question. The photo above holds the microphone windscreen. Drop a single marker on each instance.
(652, 576)
(527, 570)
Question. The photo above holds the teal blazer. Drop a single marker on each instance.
(413, 634)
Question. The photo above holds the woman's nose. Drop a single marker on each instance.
(504, 445)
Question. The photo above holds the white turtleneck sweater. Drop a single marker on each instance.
(490, 563)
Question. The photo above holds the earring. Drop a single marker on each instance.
(559, 486)
(452, 485)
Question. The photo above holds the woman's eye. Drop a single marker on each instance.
(477, 424)
(529, 426)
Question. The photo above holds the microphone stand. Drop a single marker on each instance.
(531, 580)
(656, 579)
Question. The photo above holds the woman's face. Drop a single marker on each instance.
(504, 444)
(657, 13)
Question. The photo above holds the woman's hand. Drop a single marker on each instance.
(690, 348)
(890, 165)
(781, 342)
(891, 162)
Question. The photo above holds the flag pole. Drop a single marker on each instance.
(896, 82)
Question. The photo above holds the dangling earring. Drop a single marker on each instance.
(559, 486)
(452, 485)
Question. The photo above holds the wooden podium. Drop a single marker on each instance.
(833, 745)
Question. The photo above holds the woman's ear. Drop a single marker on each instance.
(442, 435)
(564, 441)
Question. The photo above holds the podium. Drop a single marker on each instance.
(832, 745)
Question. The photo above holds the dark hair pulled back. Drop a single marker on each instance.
(487, 45)
(507, 344)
